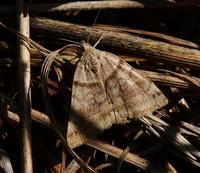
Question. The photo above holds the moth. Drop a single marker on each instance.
(107, 90)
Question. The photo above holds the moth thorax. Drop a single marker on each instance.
(91, 61)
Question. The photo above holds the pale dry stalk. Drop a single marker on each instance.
(24, 87)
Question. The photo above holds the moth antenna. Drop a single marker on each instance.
(95, 20)
(71, 41)
(99, 39)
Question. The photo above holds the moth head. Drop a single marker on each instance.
(91, 58)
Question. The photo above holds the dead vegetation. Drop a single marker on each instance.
(160, 39)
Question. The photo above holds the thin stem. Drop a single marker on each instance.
(24, 84)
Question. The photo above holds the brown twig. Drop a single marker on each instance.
(116, 152)
(73, 6)
(86, 5)
(173, 80)
(150, 49)
(149, 34)
(96, 5)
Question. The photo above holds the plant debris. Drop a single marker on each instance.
(160, 42)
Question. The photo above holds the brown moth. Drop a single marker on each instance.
(106, 91)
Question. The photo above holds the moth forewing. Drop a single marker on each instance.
(106, 91)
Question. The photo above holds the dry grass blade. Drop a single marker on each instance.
(73, 166)
(27, 40)
(190, 127)
(172, 136)
(187, 127)
(44, 77)
(126, 151)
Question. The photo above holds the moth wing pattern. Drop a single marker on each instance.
(88, 104)
(106, 91)
(133, 94)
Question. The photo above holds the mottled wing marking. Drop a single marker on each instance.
(107, 91)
